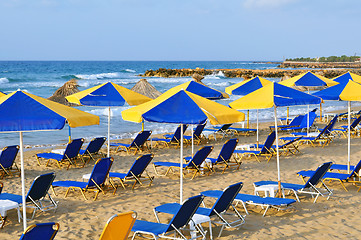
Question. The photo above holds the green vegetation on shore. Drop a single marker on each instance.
(343, 58)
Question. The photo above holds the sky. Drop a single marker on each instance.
(184, 30)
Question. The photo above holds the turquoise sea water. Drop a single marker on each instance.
(43, 78)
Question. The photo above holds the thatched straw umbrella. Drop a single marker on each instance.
(145, 88)
(70, 87)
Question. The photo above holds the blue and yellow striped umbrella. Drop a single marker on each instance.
(24, 112)
(180, 106)
(107, 95)
(347, 76)
(201, 90)
(247, 86)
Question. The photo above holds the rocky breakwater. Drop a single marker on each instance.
(244, 73)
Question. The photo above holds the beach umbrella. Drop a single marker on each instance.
(107, 95)
(308, 80)
(347, 76)
(145, 88)
(345, 91)
(201, 90)
(274, 95)
(182, 107)
(245, 87)
(24, 112)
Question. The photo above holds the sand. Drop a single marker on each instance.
(337, 217)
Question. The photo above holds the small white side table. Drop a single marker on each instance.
(6, 205)
(198, 219)
(269, 190)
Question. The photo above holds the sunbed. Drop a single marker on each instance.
(173, 139)
(7, 161)
(194, 164)
(41, 231)
(310, 187)
(95, 183)
(118, 226)
(218, 210)
(172, 230)
(248, 199)
(352, 177)
(38, 197)
(225, 155)
(70, 155)
(93, 148)
(265, 150)
(135, 173)
(197, 134)
(138, 144)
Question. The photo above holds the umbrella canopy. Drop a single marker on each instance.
(145, 88)
(107, 95)
(180, 106)
(247, 86)
(201, 90)
(274, 95)
(347, 76)
(23, 112)
(345, 91)
(308, 79)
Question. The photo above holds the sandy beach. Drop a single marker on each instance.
(337, 217)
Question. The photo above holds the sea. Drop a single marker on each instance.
(43, 78)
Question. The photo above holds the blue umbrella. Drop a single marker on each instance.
(24, 112)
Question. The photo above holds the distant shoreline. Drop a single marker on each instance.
(246, 73)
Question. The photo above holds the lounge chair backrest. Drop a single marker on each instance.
(41, 231)
(356, 169)
(200, 156)
(100, 171)
(269, 142)
(296, 121)
(226, 199)
(140, 139)
(331, 125)
(227, 150)
(95, 145)
(177, 134)
(185, 213)
(317, 176)
(73, 148)
(198, 131)
(40, 187)
(312, 116)
(139, 165)
(119, 226)
(355, 122)
(8, 156)
(225, 127)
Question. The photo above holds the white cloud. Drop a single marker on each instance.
(266, 3)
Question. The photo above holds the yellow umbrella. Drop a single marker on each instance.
(24, 112)
(180, 106)
(107, 95)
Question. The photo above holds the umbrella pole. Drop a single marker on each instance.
(278, 156)
(257, 129)
(108, 150)
(23, 179)
(192, 140)
(181, 167)
(308, 116)
(288, 114)
(143, 125)
(247, 118)
(349, 137)
(321, 112)
(69, 134)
